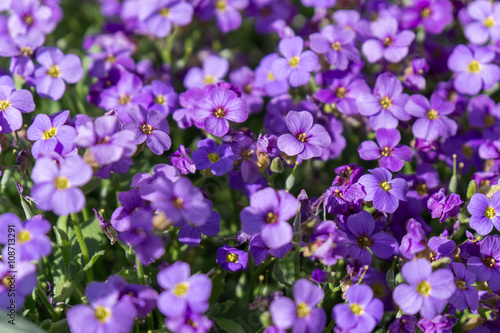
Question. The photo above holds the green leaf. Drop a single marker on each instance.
(217, 285)
(93, 260)
(389, 278)
(472, 189)
(65, 247)
(219, 309)
(60, 326)
(228, 325)
(20, 324)
(278, 273)
(129, 275)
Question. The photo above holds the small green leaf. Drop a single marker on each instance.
(93, 260)
(17, 324)
(228, 325)
(217, 285)
(219, 309)
(472, 189)
(65, 247)
(278, 273)
(277, 165)
(389, 278)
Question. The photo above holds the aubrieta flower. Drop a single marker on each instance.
(385, 106)
(440, 323)
(189, 322)
(442, 206)
(182, 161)
(403, 324)
(23, 282)
(486, 265)
(32, 242)
(307, 139)
(432, 15)
(415, 240)
(221, 106)
(485, 23)
(158, 16)
(183, 291)
(265, 77)
(473, 69)
(389, 152)
(12, 104)
(303, 313)
(344, 199)
(20, 48)
(389, 43)
(337, 44)
(466, 295)
(130, 201)
(328, 243)
(149, 126)
(29, 15)
(232, 259)
(384, 191)
(164, 97)
(414, 74)
(268, 213)
(213, 70)
(485, 213)
(106, 312)
(297, 64)
(56, 69)
(190, 231)
(260, 251)
(51, 135)
(363, 238)
(432, 119)
(426, 291)
(226, 13)
(218, 159)
(361, 313)
(56, 186)
(142, 297)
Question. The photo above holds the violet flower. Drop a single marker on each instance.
(12, 104)
(213, 70)
(485, 22)
(486, 265)
(466, 295)
(51, 135)
(432, 15)
(444, 207)
(265, 77)
(218, 159)
(485, 213)
(337, 44)
(159, 16)
(232, 259)
(23, 282)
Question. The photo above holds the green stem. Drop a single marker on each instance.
(140, 270)
(83, 245)
(46, 302)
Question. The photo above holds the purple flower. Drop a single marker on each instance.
(130, 201)
(189, 322)
(190, 231)
(363, 238)
(16, 286)
(328, 243)
(232, 259)
(466, 296)
(473, 69)
(385, 106)
(56, 69)
(302, 314)
(106, 312)
(243, 78)
(31, 240)
(21, 48)
(432, 121)
(337, 44)
(432, 15)
(403, 324)
(12, 104)
(213, 70)
(183, 291)
(415, 240)
(265, 77)
(142, 297)
(487, 265)
(442, 206)
(319, 275)
(56, 186)
(484, 24)
(220, 107)
(218, 159)
(158, 16)
(226, 13)
(426, 291)
(440, 323)
(181, 160)
(268, 214)
(150, 126)
(164, 97)
(485, 213)
(389, 43)
(344, 199)
(307, 139)
(361, 313)
(260, 251)
(51, 135)
(413, 76)
(384, 191)
(297, 65)
(29, 15)
(389, 152)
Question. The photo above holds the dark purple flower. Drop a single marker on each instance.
(12, 104)
(485, 213)
(466, 295)
(142, 297)
(164, 97)
(260, 251)
(319, 275)
(130, 201)
(432, 15)
(486, 266)
(307, 139)
(190, 231)
(344, 199)
(444, 207)
(361, 313)
(415, 241)
(347, 174)
(389, 152)
(182, 161)
(51, 135)
(218, 159)
(440, 323)
(403, 324)
(189, 322)
(232, 259)
(426, 291)
(384, 191)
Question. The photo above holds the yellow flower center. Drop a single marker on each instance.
(24, 236)
(270, 76)
(221, 5)
(357, 309)
(181, 289)
(50, 133)
(231, 257)
(54, 71)
(467, 150)
(432, 114)
(337, 193)
(385, 186)
(26, 51)
(302, 137)
(489, 261)
(337, 46)
(461, 284)
(426, 12)
(422, 189)
(147, 129)
(220, 113)
(386, 151)
(209, 79)
(294, 62)
(4, 104)
(6, 281)
(111, 59)
(62, 183)
(178, 203)
(213, 157)
(385, 102)
(160, 99)
(424, 288)
(28, 19)
(387, 41)
(303, 310)
(271, 218)
(489, 120)
(164, 12)
(490, 212)
(341, 92)
(102, 314)
(124, 99)
(474, 66)
(246, 155)
(364, 241)
(489, 22)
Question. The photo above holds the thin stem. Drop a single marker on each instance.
(140, 270)
(46, 302)
(83, 245)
